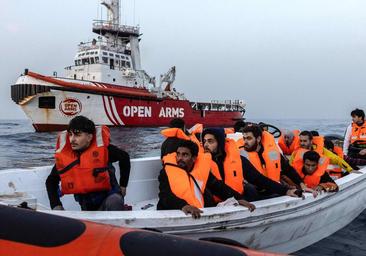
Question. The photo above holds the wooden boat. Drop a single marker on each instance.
(282, 224)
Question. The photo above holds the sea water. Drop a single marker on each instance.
(21, 147)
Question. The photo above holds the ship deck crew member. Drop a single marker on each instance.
(312, 169)
(354, 144)
(261, 150)
(186, 183)
(235, 170)
(84, 160)
(309, 142)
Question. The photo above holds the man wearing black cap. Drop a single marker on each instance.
(214, 142)
(84, 160)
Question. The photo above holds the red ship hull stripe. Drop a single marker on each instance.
(105, 107)
(111, 108)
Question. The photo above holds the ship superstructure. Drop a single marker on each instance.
(107, 83)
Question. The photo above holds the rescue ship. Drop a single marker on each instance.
(107, 84)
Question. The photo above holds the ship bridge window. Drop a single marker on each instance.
(123, 63)
(91, 60)
(117, 56)
(111, 54)
(128, 64)
(104, 53)
(79, 62)
(123, 57)
(87, 53)
(47, 102)
(96, 59)
(105, 60)
(85, 61)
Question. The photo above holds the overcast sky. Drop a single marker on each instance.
(286, 59)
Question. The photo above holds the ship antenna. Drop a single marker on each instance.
(134, 12)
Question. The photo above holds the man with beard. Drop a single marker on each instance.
(235, 170)
(261, 150)
(186, 182)
(316, 143)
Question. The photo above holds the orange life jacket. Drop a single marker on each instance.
(197, 128)
(240, 143)
(313, 180)
(229, 130)
(339, 151)
(271, 156)
(175, 132)
(318, 144)
(85, 172)
(287, 150)
(232, 167)
(180, 134)
(188, 186)
(358, 133)
(333, 170)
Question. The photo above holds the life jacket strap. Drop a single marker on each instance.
(69, 167)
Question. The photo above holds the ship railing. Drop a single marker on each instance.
(103, 45)
(105, 25)
(215, 105)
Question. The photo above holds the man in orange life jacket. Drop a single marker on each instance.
(261, 150)
(314, 174)
(170, 144)
(288, 141)
(354, 144)
(84, 160)
(214, 142)
(186, 182)
(312, 141)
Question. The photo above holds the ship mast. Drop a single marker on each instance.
(113, 13)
